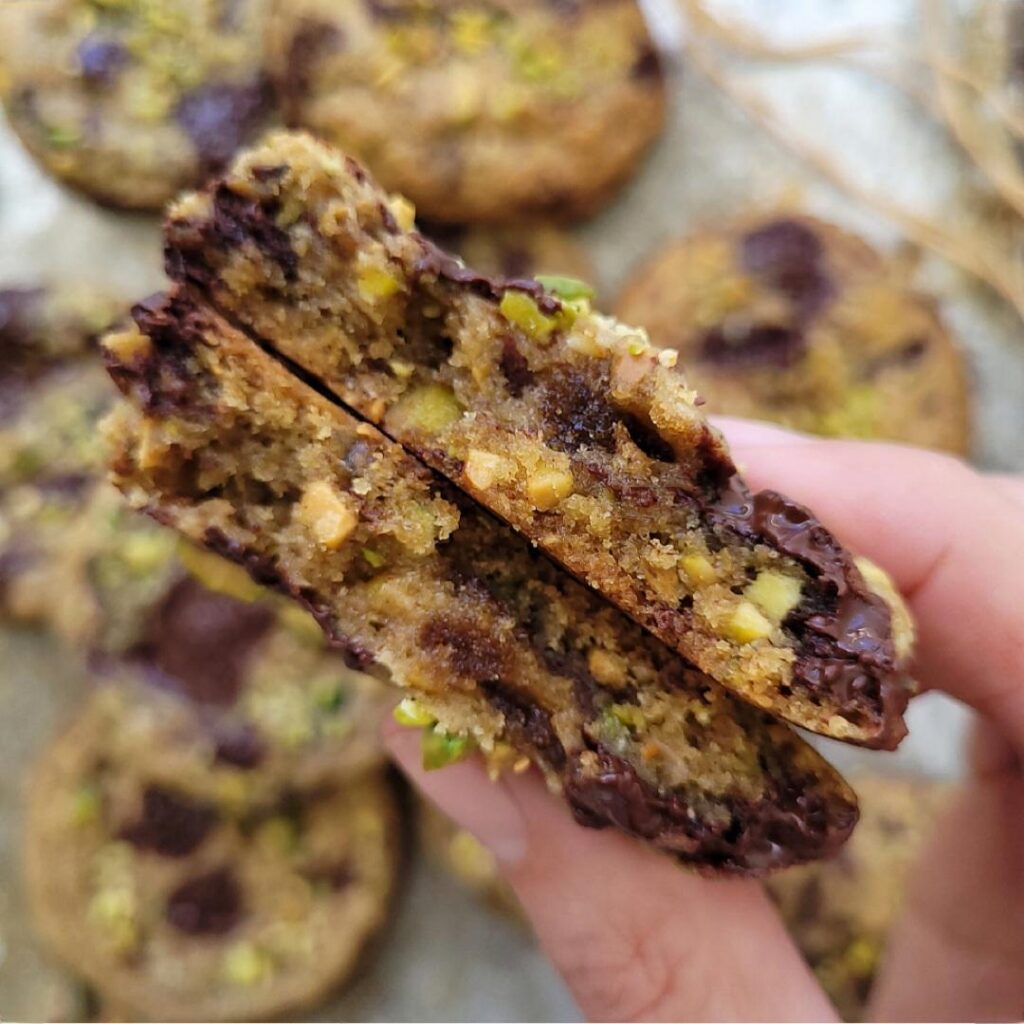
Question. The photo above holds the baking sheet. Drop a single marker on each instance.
(446, 957)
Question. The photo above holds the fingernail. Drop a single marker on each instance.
(463, 791)
(749, 433)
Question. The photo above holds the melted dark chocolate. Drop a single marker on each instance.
(790, 257)
(209, 904)
(170, 824)
(199, 642)
(219, 118)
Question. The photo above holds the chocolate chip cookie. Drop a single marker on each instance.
(480, 110)
(840, 912)
(790, 319)
(568, 425)
(181, 908)
(133, 100)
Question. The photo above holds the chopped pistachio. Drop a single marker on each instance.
(521, 310)
(403, 211)
(246, 964)
(775, 593)
(698, 569)
(85, 805)
(441, 749)
(747, 624)
(409, 712)
(376, 283)
(483, 468)
(328, 513)
(62, 136)
(374, 558)
(472, 30)
(629, 715)
(429, 409)
(569, 288)
(549, 487)
(330, 697)
(668, 358)
(278, 835)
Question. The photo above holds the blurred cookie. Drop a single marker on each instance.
(517, 252)
(133, 100)
(177, 908)
(840, 911)
(465, 858)
(488, 110)
(794, 320)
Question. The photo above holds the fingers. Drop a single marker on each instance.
(950, 537)
(635, 936)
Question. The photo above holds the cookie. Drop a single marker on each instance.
(177, 908)
(566, 424)
(497, 648)
(517, 251)
(791, 319)
(478, 111)
(840, 912)
(465, 859)
(132, 101)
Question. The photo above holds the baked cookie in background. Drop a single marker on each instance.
(134, 100)
(181, 908)
(791, 319)
(484, 111)
(840, 911)
(516, 252)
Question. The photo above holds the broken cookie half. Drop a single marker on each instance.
(567, 425)
(497, 648)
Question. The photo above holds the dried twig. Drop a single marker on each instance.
(994, 268)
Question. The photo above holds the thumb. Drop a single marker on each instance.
(634, 935)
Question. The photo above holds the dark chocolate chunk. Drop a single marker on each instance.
(219, 118)
(854, 656)
(236, 220)
(100, 60)
(170, 824)
(471, 651)
(515, 367)
(576, 412)
(209, 904)
(239, 745)
(647, 66)
(198, 642)
(785, 826)
(790, 257)
(435, 262)
(758, 345)
(526, 722)
(312, 41)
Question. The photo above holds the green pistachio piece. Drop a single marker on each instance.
(569, 288)
(411, 714)
(375, 558)
(441, 749)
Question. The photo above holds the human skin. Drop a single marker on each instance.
(636, 938)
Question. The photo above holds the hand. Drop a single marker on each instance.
(638, 938)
